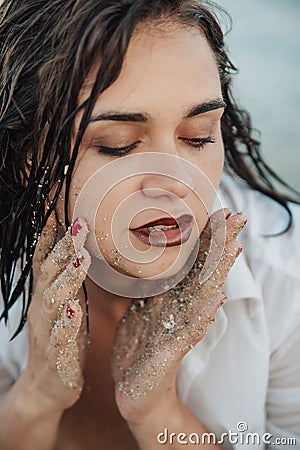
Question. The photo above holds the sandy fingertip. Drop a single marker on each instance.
(79, 226)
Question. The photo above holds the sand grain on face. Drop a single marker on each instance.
(156, 333)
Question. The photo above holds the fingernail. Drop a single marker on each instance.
(228, 215)
(69, 312)
(240, 249)
(224, 297)
(75, 228)
(78, 260)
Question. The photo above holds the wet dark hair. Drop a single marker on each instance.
(47, 49)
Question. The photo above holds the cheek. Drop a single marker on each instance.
(107, 216)
(214, 173)
(216, 167)
(84, 194)
(101, 215)
(212, 166)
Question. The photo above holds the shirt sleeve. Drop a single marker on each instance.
(283, 394)
(283, 399)
(276, 262)
(13, 352)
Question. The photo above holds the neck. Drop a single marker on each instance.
(105, 303)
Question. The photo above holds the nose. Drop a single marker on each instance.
(172, 179)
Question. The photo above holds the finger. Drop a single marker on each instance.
(212, 226)
(214, 278)
(226, 227)
(194, 329)
(68, 324)
(214, 222)
(45, 242)
(66, 285)
(226, 231)
(64, 250)
(213, 234)
(68, 365)
(220, 215)
(234, 226)
(64, 338)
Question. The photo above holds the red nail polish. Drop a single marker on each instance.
(75, 228)
(70, 312)
(228, 215)
(224, 297)
(78, 261)
(240, 249)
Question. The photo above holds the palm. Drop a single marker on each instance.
(155, 334)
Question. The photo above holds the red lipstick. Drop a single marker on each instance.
(165, 231)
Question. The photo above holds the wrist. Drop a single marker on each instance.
(30, 401)
(26, 420)
(167, 414)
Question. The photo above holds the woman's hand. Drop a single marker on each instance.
(155, 334)
(55, 326)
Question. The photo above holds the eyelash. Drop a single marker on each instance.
(198, 143)
(118, 151)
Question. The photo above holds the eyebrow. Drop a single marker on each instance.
(202, 108)
(122, 117)
(205, 107)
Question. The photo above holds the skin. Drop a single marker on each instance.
(167, 326)
(138, 89)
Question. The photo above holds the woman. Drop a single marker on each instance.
(115, 116)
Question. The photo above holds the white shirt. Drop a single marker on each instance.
(246, 371)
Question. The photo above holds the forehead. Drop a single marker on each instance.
(168, 65)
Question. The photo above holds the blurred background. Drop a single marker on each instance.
(264, 44)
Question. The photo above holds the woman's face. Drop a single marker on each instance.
(164, 112)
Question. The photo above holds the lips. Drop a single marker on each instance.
(165, 231)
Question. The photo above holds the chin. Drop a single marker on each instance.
(167, 265)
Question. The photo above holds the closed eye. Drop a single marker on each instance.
(117, 151)
(198, 142)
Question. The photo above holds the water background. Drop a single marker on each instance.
(265, 45)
